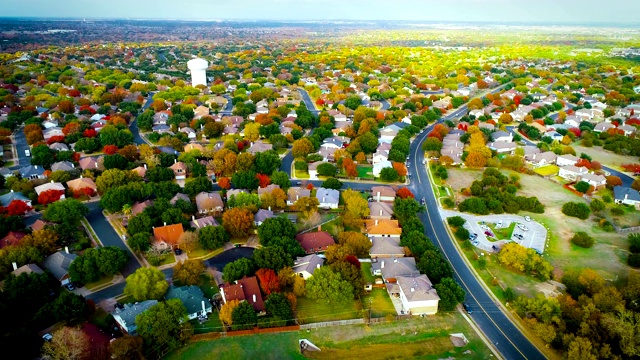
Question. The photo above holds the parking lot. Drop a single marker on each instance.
(533, 237)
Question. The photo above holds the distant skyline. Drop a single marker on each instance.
(548, 11)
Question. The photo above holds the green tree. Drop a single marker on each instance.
(276, 227)
(327, 169)
(266, 162)
(368, 142)
(450, 293)
(198, 185)
(329, 286)
(164, 324)
(582, 239)
(244, 316)
(281, 178)
(597, 205)
(582, 186)
(145, 284)
(389, 174)
(245, 180)
(435, 266)
(67, 211)
(213, 237)
(332, 183)
(42, 155)
(278, 305)
(139, 242)
(238, 269)
(289, 245)
(406, 208)
(271, 257)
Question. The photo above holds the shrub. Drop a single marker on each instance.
(634, 260)
(389, 174)
(578, 210)
(301, 166)
(582, 239)
(634, 243)
(448, 203)
(456, 221)
(607, 199)
(462, 233)
(617, 211)
(582, 186)
(482, 263)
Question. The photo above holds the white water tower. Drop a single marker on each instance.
(198, 68)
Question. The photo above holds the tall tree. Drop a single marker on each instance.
(188, 272)
(329, 286)
(146, 283)
(238, 222)
(164, 324)
(67, 344)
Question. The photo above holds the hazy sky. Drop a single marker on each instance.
(610, 11)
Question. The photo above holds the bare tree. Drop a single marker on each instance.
(67, 344)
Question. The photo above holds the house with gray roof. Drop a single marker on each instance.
(126, 318)
(32, 172)
(62, 165)
(391, 268)
(58, 265)
(59, 147)
(193, 300)
(417, 295)
(306, 265)
(261, 216)
(386, 247)
(328, 198)
(7, 198)
(202, 222)
(627, 196)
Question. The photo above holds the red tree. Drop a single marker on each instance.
(264, 180)
(224, 183)
(71, 128)
(240, 146)
(18, 207)
(353, 260)
(55, 139)
(89, 133)
(631, 167)
(309, 186)
(404, 193)
(110, 149)
(49, 196)
(350, 167)
(268, 280)
(576, 132)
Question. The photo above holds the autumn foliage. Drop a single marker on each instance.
(55, 139)
(89, 133)
(634, 168)
(224, 183)
(17, 207)
(110, 149)
(264, 180)
(268, 280)
(404, 193)
(49, 196)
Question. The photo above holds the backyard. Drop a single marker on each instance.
(413, 338)
(547, 170)
(310, 311)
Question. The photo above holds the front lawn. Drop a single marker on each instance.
(100, 282)
(365, 171)
(547, 170)
(310, 311)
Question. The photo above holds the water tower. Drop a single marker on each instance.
(198, 68)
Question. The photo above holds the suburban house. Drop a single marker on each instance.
(258, 147)
(295, 193)
(62, 166)
(191, 134)
(82, 183)
(193, 300)
(545, 158)
(627, 196)
(268, 189)
(90, 162)
(628, 129)
(383, 193)
(502, 147)
(26, 269)
(306, 265)
(313, 169)
(328, 198)
(12, 238)
(597, 181)
(245, 289)
(261, 216)
(382, 228)
(179, 170)
(391, 268)
(139, 206)
(210, 202)
(140, 170)
(571, 172)
(502, 136)
(380, 210)
(58, 265)
(7, 198)
(386, 247)
(126, 318)
(417, 295)
(317, 241)
(566, 159)
(235, 192)
(193, 146)
(377, 167)
(50, 186)
(179, 196)
(32, 172)
(202, 222)
(168, 235)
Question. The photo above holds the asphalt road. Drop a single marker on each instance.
(627, 180)
(307, 101)
(21, 146)
(496, 326)
(109, 237)
(221, 260)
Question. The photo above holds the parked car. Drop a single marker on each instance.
(47, 337)
(499, 224)
(473, 236)
(178, 251)
(299, 183)
(70, 287)
(27, 153)
(522, 227)
(485, 227)
(527, 218)
(467, 308)
(489, 233)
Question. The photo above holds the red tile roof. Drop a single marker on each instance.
(12, 238)
(315, 241)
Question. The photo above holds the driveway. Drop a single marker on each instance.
(534, 237)
(220, 261)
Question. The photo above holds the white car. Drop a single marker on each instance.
(522, 227)
(499, 224)
(485, 227)
(527, 218)
(27, 153)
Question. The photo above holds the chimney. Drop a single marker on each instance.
(35, 166)
(193, 218)
(52, 181)
(626, 196)
(165, 223)
(376, 223)
(323, 199)
(254, 297)
(175, 161)
(11, 190)
(382, 264)
(534, 156)
(413, 289)
(66, 249)
(378, 196)
(380, 212)
(145, 166)
(297, 197)
(204, 310)
(269, 208)
(395, 260)
(319, 227)
(317, 266)
(15, 266)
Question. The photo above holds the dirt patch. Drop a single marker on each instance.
(605, 157)
(460, 179)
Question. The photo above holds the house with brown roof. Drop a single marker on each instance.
(380, 210)
(168, 235)
(313, 242)
(259, 146)
(82, 183)
(268, 189)
(91, 163)
(12, 238)
(295, 193)
(209, 202)
(140, 170)
(383, 193)
(193, 146)
(382, 228)
(245, 289)
(139, 207)
(391, 268)
(179, 170)
(386, 247)
(39, 225)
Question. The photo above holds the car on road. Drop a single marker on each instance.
(70, 287)
(27, 152)
(178, 251)
(467, 308)
(527, 218)
(299, 183)
(424, 161)
(522, 227)
(423, 201)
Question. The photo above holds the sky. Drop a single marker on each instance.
(552, 11)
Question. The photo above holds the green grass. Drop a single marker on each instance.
(365, 267)
(310, 311)
(204, 253)
(365, 171)
(101, 282)
(208, 286)
(503, 233)
(167, 258)
(547, 170)
(425, 338)
(211, 325)
(380, 303)
(301, 174)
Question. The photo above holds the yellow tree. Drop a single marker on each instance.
(302, 147)
(475, 159)
(227, 310)
(252, 131)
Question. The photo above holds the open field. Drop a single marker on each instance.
(426, 338)
(604, 157)
(462, 178)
